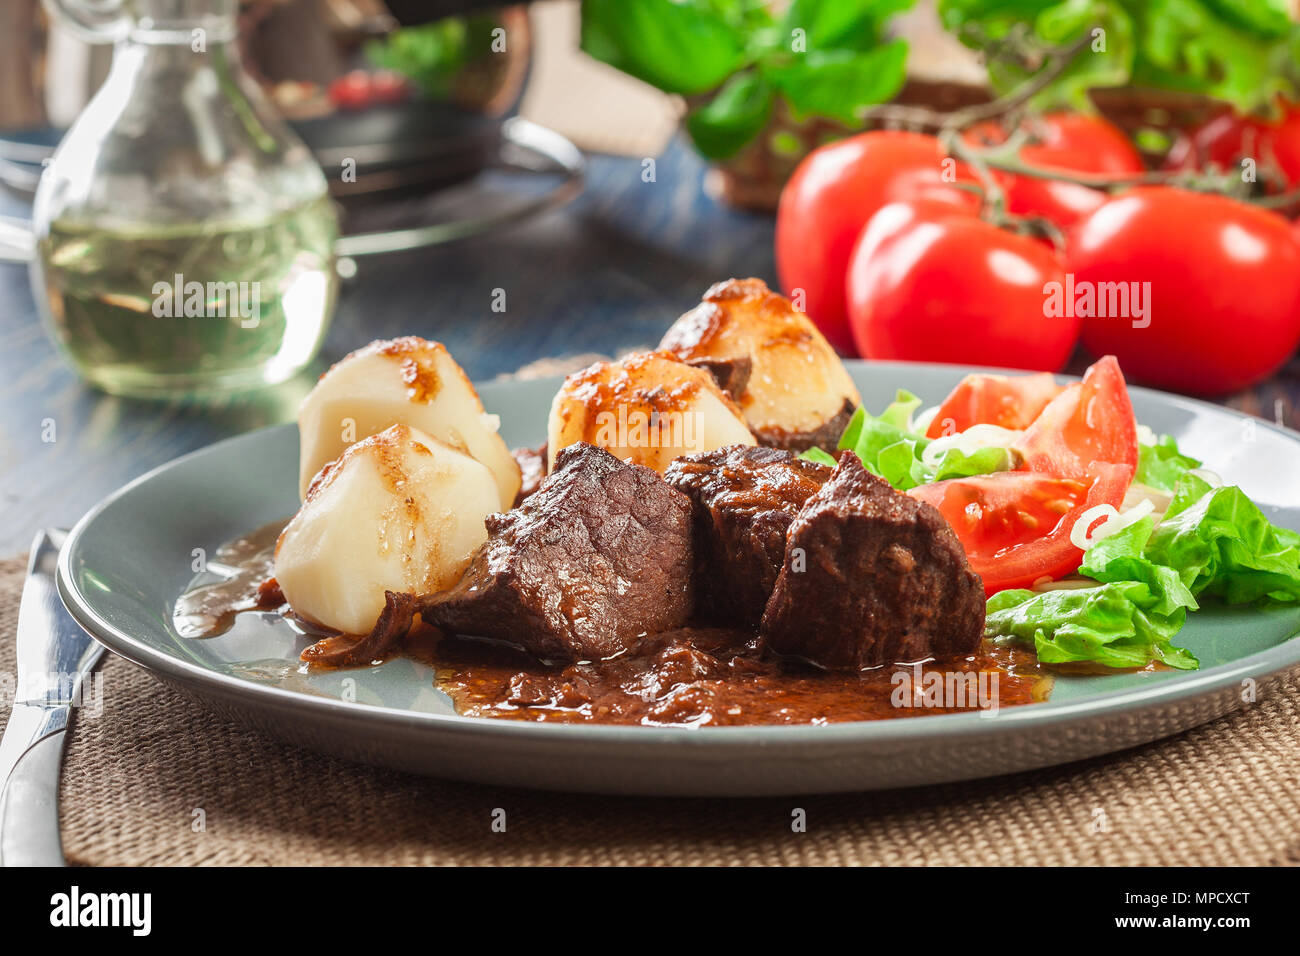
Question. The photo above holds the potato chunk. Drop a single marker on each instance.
(398, 511)
(790, 385)
(408, 381)
(647, 408)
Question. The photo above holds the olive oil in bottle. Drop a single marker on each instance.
(184, 232)
(191, 308)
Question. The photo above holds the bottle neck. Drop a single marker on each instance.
(198, 24)
(177, 61)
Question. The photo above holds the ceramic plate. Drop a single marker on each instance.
(126, 562)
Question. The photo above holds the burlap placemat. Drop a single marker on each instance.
(156, 779)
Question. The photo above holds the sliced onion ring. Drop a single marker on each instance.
(1083, 535)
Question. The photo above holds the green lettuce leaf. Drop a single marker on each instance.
(1222, 544)
(1211, 541)
(887, 444)
(890, 447)
(1161, 465)
(1116, 625)
(1122, 557)
(957, 464)
(819, 456)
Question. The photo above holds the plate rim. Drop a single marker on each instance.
(1008, 720)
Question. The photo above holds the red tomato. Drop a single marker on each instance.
(388, 87)
(1090, 421)
(1286, 146)
(830, 197)
(351, 91)
(931, 285)
(1000, 400)
(1223, 142)
(1015, 526)
(1220, 143)
(1219, 279)
(1068, 142)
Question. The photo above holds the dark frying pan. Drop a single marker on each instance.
(414, 147)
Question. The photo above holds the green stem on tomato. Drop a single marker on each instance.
(994, 205)
(1005, 158)
(923, 116)
(1006, 161)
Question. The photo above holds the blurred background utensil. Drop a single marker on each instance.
(400, 104)
(188, 165)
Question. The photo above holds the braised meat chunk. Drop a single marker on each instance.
(871, 576)
(532, 469)
(597, 557)
(744, 499)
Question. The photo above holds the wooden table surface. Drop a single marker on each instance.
(605, 274)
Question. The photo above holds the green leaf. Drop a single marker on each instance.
(891, 448)
(1106, 60)
(1264, 18)
(1184, 45)
(995, 16)
(839, 84)
(693, 47)
(839, 24)
(1115, 625)
(683, 48)
(1222, 544)
(983, 461)
(1237, 51)
(737, 114)
(1210, 541)
(741, 15)
(819, 456)
(1161, 465)
(891, 433)
(432, 55)
(1122, 557)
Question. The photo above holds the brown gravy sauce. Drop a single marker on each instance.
(695, 676)
(247, 566)
(720, 677)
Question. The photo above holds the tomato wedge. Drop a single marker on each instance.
(1000, 400)
(1079, 451)
(1089, 422)
(1015, 525)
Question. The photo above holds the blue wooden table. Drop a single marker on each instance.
(605, 274)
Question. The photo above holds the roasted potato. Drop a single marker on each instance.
(648, 408)
(792, 388)
(408, 381)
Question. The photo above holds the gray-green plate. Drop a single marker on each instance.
(128, 559)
